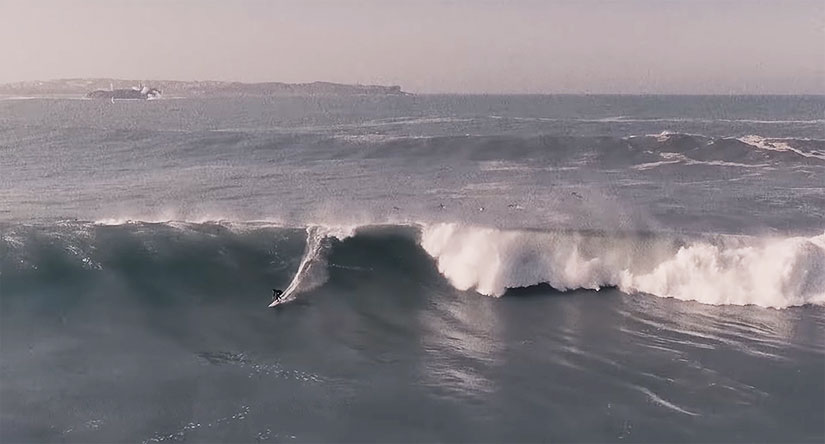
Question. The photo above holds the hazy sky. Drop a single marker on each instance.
(621, 46)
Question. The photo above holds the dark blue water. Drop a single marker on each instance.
(504, 268)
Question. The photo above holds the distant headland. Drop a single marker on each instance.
(177, 88)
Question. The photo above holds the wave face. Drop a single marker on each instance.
(174, 314)
(720, 270)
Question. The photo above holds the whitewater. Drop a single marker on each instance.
(455, 268)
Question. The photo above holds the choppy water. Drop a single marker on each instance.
(507, 268)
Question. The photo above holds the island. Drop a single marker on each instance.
(137, 93)
(135, 89)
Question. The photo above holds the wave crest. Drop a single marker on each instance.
(236, 258)
(723, 270)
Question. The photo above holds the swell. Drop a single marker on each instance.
(161, 263)
(173, 263)
(598, 151)
(157, 147)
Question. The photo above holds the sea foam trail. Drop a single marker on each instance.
(312, 270)
(777, 273)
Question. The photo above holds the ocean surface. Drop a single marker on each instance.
(458, 269)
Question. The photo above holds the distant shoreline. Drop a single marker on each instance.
(184, 89)
(179, 89)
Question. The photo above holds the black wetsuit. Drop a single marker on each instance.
(276, 294)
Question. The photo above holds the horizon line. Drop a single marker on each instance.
(439, 93)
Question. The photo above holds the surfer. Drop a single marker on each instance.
(276, 294)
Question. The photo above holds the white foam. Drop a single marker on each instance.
(674, 158)
(2, 98)
(777, 273)
(670, 158)
(764, 143)
(502, 165)
(416, 120)
(173, 217)
(507, 166)
(660, 401)
(772, 273)
(697, 120)
(664, 136)
(368, 138)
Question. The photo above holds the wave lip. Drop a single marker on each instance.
(775, 273)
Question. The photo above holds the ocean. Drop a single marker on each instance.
(457, 269)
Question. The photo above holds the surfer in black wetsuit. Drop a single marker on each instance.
(276, 294)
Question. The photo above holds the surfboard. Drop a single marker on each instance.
(280, 302)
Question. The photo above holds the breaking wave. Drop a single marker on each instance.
(775, 273)
(168, 258)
